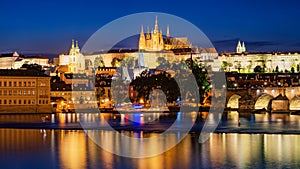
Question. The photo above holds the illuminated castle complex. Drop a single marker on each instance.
(154, 40)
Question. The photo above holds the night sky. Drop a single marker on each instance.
(39, 27)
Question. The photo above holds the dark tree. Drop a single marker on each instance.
(277, 69)
(201, 77)
(115, 62)
(148, 82)
(32, 67)
(258, 69)
(293, 70)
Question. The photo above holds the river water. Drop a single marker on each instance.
(67, 146)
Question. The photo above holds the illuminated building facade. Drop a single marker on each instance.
(24, 91)
(269, 62)
(75, 89)
(150, 46)
(155, 41)
(7, 60)
(74, 60)
(15, 61)
(103, 79)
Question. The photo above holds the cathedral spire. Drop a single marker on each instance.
(142, 30)
(168, 31)
(243, 47)
(156, 26)
(239, 47)
(142, 42)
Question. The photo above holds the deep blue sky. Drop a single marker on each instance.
(48, 27)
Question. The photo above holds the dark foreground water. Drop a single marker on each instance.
(59, 142)
(32, 148)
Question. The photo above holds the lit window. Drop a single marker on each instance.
(33, 83)
(24, 84)
(33, 92)
(28, 92)
(29, 84)
(24, 92)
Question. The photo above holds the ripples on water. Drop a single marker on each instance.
(32, 148)
(256, 123)
(39, 148)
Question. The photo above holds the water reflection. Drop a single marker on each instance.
(23, 148)
(267, 122)
(157, 121)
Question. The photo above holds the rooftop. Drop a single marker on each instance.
(21, 72)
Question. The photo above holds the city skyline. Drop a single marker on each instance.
(47, 28)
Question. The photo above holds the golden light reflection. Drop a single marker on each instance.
(72, 149)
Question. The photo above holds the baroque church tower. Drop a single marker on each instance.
(240, 48)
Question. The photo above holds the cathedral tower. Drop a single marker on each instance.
(240, 48)
(151, 41)
(142, 42)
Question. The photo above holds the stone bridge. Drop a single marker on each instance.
(261, 98)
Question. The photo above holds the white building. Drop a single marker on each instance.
(74, 60)
(245, 62)
(7, 60)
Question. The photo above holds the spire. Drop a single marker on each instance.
(77, 44)
(142, 42)
(243, 47)
(156, 26)
(168, 31)
(239, 47)
(142, 30)
(72, 43)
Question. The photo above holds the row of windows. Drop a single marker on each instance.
(17, 84)
(63, 94)
(17, 101)
(22, 102)
(43, 101)
(17, 92)
(70, 93)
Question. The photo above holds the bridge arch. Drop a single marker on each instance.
(295, 103)
(263, 101)
(233, 101)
